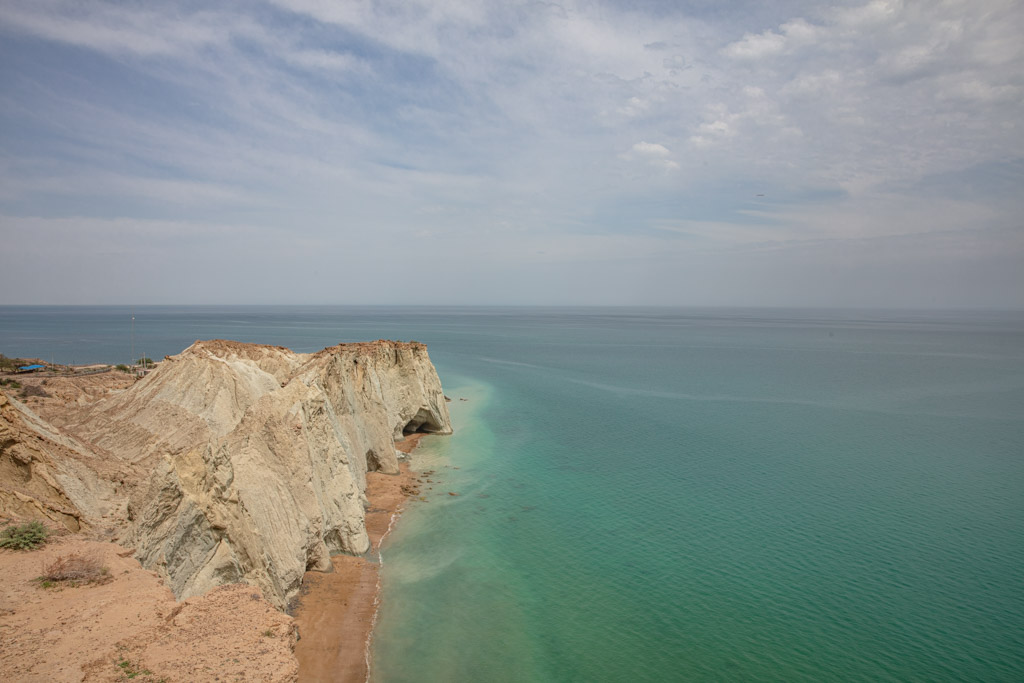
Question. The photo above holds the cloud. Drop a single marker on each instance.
(653, 154)
(651, 149)
(108, 29)
(675, 63)
(357, 126)
(323, 59)
(791, 35)
(635, 106)
(868, 15)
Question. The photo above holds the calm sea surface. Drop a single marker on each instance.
(674, 495)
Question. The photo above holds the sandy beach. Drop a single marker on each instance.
(336, 613)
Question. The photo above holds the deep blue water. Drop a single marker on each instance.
(650, 494)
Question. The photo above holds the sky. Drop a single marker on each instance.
(688, 153)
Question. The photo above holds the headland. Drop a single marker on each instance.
(229, 465)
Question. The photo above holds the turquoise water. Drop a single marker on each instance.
(680, 495)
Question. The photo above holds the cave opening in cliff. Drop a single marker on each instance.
(421, 423)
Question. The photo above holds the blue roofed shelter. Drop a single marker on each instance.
(31, 368)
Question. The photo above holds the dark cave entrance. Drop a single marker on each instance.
(421, 423)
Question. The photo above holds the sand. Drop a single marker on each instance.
(50, 394)
(131, 624)
(337, 611)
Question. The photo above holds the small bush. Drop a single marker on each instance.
(12, 383)
(27, 536)
(34, 390)
(130, 670)
(74, 570)
(122, 367)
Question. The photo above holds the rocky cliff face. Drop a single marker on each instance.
(47, 474)
(248, 463)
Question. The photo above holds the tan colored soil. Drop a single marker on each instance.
(132, 624)
(335, 614)
(63, 390)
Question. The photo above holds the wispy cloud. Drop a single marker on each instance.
(515, 135)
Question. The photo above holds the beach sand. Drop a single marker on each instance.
(335, 614)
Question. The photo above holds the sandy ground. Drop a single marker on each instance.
(50, 394)
(336, 612)
(132, 625)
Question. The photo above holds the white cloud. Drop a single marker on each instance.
(675, 63)
(871, 14)
(487, 118)
(635, 106)
(756, 46)
(114, 30)
(793, 34)
(712, 132)
(651, 149)
(324, 59)
(653, 154)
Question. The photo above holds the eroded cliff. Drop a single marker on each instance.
(239, 462)
(46, 474)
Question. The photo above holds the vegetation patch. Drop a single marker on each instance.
(131, 671)
(34, 390)
(74, 570)
(27, 536)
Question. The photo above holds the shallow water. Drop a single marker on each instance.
(680, 495)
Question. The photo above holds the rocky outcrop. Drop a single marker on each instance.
(242, 462)
(45, 474)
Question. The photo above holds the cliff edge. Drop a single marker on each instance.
(231, 462)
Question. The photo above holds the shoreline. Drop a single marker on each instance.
(337, 611)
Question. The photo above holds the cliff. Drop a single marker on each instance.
(236, 462)
(45, 474)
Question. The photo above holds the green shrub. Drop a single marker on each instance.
(131, 670)
(27, 536)
(122, 367)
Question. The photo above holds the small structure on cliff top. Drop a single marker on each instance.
(31, 368)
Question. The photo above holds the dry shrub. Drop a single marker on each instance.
(75, 569)
(34, 390)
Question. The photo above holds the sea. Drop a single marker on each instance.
(648, 494)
